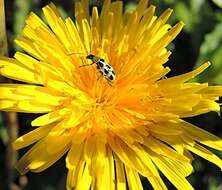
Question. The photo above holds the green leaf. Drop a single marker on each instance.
(218, 3)
(3, 37)
(22, 10)
(183, 12)
(211, 50)
(213, 184)
(196, 5)
(130, 6)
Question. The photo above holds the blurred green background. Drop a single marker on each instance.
(200, 41)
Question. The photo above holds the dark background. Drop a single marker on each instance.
(200, 41)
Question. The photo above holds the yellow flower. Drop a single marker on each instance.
(112, 132)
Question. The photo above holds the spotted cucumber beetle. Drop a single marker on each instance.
(104, 68)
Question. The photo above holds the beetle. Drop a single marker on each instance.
(103, 67)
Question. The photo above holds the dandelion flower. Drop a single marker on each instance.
(112, 133)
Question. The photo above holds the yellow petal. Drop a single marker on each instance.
(184, 77)
(37, 160)
(202, 136)
(62, 137)
(166, 128)
(85, 180)
(89, 149)
(57, 24)
(40, 95)
(175, 177)
(120, 174)
(162, 149)
(28, 46)
(75, 175)
(74, 156)
(15, 70)
(26, 60)
(34, 21)
(8, 91)
(46, 119)
(128, 156)
(206, 154)
(75, 118)
(31, 137)
(133, 179)
(212, 90)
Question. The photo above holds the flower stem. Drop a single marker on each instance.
(3, 39)
(9, 119)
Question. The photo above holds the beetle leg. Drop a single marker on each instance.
(87, 64)
(99, 76)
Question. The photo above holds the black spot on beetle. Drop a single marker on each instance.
(110, 77)
(100, 64)
(108, 67)
(106, 71)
